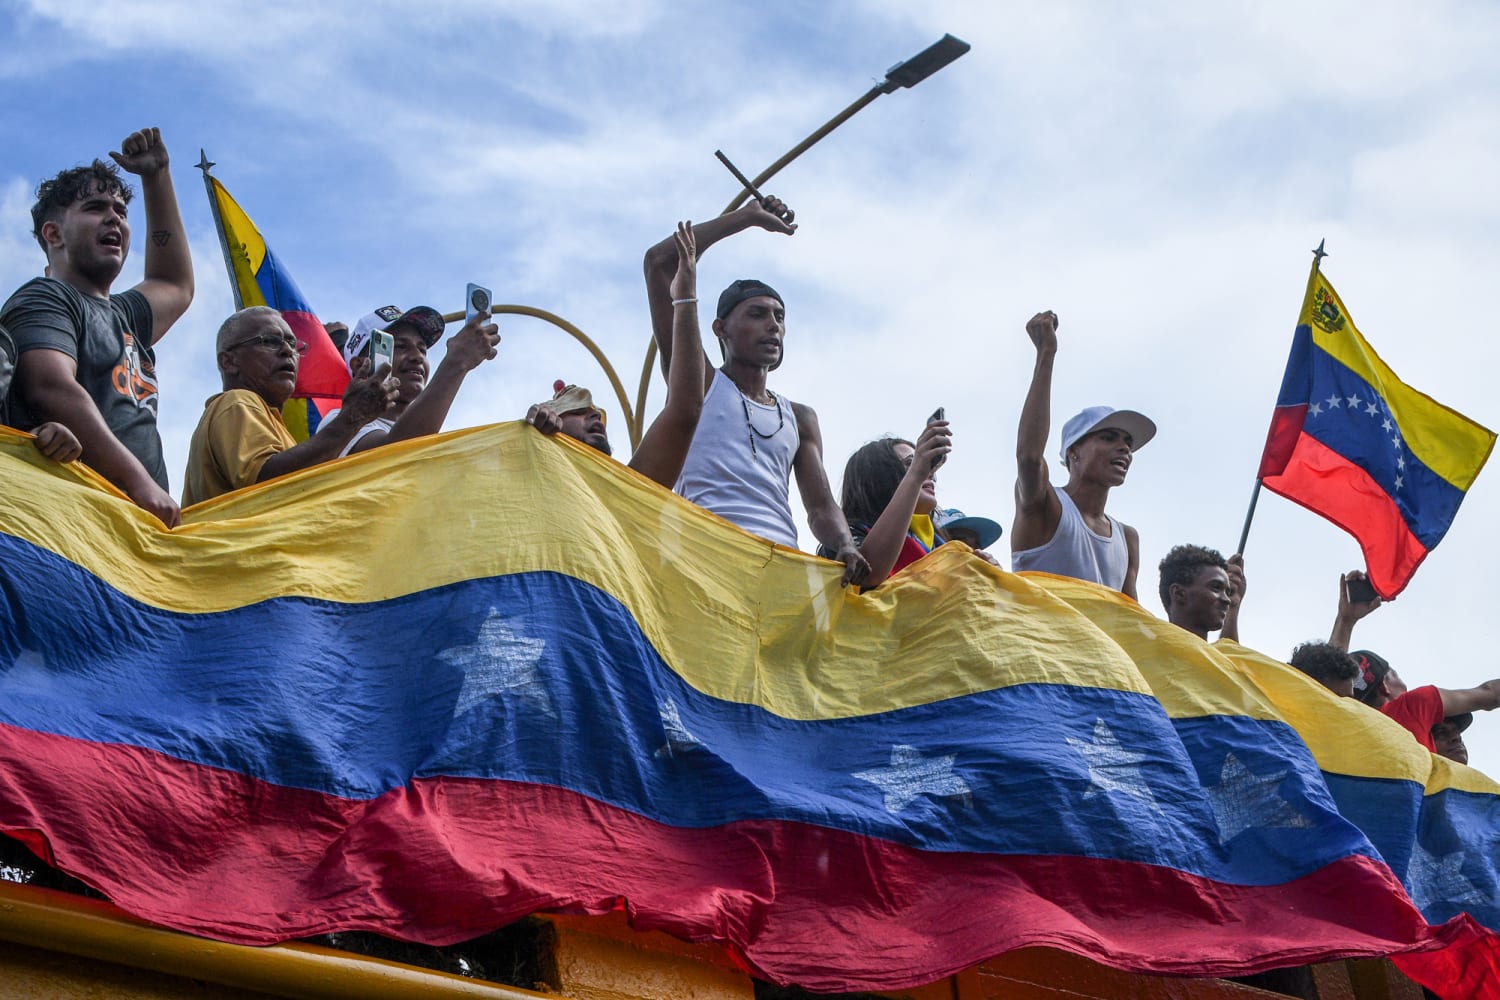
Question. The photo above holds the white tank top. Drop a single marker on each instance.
(724, 474)
(1076, 550)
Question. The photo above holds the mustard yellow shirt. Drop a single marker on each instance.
(238, 432)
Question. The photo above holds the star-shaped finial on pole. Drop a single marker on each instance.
(204, 163)
(1319, 254)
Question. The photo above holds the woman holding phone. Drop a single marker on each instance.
(889, 496)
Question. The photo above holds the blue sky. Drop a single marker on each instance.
(1154, 173)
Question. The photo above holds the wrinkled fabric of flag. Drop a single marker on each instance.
(262, 280)
(1352, 442)
(510, 675)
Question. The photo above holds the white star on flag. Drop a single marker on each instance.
(1316, 409)
(1353, 402)
(678, 736)
(1333, 401)
(910, 774)
(496, 662)
(29, 672)
(1398, 482)
(28, 662)
(1437, 879)
(1112, 768)
(1372, 409)
(1242, 801)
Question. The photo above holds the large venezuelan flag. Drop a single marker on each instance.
(261, 280)
(1352, 442)
(517, 676)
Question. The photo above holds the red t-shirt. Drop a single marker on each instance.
(1418, 710)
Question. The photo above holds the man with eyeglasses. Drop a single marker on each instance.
(86, 357)
(241, 440)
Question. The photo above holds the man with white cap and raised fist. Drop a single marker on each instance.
(1065, 531)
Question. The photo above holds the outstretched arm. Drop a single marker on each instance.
(823, 513)
(882, 545)
(470, 347)
(1037, 507)
(1349, 612)
(664, 447)
(168, 281)
(1483, 698)
(661, 264)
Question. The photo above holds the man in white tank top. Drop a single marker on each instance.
(749, 439)
(1066, 531)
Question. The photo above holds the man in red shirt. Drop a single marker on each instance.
(1418, 709)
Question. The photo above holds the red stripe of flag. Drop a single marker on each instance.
(216, 853)
(1328, 484)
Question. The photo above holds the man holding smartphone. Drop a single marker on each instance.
(422, 403)
(241, 440)
(1420, 710)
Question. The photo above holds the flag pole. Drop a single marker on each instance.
(205, 164)
(1239, 550)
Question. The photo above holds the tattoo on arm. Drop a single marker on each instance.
(160, 237)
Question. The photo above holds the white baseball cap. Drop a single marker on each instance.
(1098, 418)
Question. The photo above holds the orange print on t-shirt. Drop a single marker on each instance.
(134, 377)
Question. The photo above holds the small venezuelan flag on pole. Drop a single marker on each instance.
(259, 279)
(1352, 442)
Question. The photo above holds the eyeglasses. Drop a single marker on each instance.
(271, 343)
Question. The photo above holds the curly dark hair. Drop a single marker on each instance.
(1181, 565)
(55, 194)
(1324, 663)
(870, 479)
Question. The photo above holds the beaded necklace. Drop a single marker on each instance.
(755, 432)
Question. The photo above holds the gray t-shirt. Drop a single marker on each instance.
(110, 340)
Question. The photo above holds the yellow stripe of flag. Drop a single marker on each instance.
(247, 250)
(1445, 440)
(736, 617)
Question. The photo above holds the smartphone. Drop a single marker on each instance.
(937, 415)
(382, 351)
(479, 301)
(1359, 591)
